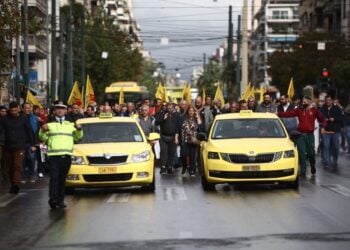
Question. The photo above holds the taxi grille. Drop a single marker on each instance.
(107, 177)
(102, 160)
(242, 158)
(252, 174)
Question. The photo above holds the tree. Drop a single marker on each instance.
(305, 62)
(123, 63)
(211, 75)
(9, 23)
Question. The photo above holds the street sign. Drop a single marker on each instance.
(321, 46)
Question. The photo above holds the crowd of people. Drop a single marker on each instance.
(178, 125)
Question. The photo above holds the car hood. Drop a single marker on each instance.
(245, 146)
(110, 148)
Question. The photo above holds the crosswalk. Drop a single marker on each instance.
(167, 194)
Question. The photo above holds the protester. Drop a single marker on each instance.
(189, 144)
(307, 115)
(267, 105)
(18, 134)
(30, 157)
(169, 121)
(331, 134)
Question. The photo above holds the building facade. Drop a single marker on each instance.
(277, 28)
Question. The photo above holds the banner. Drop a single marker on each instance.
(89, 93)
(290, 91)
(219, 95)
(32, 100)
(75, 96)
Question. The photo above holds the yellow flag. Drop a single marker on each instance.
(159, 90)
(32, 100)
(165, 94)
(262, 92)
(184, 91)
(89, 93)
(203, 94)
(219, 95)
(161, 93)
(246, 93)
(121, 96)
(75, 96)
(290, 91)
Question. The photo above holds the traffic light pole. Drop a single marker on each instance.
(53, 52)
(26, 55)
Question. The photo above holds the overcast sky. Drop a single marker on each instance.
(193, 27)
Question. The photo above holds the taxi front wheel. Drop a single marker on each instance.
(207, 186)
(293, 184)
(150, 187)
(69, 190)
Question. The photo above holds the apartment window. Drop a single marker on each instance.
(279, 14)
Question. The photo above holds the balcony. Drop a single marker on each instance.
(40, 4)
(282, 19)
(36, 45)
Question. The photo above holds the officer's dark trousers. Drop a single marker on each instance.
(59, 167)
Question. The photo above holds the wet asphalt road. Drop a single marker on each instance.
(180, 215)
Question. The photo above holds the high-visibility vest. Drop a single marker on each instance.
(60, 138)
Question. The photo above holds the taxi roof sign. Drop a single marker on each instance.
(106, 115)
(245, 112)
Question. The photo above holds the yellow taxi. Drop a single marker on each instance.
(248, 147)
(113, 152)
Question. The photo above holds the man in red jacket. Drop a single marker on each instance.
(307, 115)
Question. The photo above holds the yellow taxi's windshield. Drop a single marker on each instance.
(111, 132)
(248, 128)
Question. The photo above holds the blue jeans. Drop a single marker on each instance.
(347, 136)
(29, 162)
(330, 148)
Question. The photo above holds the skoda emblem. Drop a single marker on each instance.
(251, 152)
(107, 156)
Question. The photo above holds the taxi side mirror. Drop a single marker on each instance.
(202, 136)
(153, 137)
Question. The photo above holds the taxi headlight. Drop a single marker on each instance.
(213, 155)
(144, 156)
(288, 154)
(77, 160)
(225, 157)
(277, 156)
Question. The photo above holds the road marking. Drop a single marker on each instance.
(8, 198)
(185, 235)
(120, 198)
(289, 193)
(338, 189)
(174, 194)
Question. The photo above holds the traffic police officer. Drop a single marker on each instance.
(59, 135)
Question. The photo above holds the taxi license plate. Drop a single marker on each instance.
(251, 168)
(107, 170)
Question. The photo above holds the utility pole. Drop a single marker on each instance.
(244, 46)
(62, 54)
(204, 62)
(69, 82)
(48, 53)
(82, 39)
(230, 37)
(238, 67)
(18, 62)
(26, 55)
(53, 52)
(228, 87)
